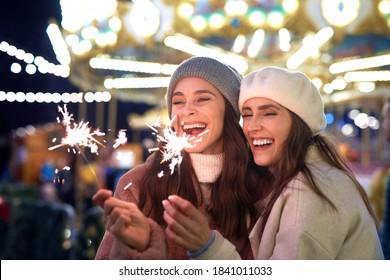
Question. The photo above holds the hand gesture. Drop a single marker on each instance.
(124, 220)
(187, 226)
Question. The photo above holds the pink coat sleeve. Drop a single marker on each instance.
(110, 247)
(157, 249)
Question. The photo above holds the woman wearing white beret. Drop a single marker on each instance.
(313, 207)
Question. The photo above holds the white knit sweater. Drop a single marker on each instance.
(207, 169)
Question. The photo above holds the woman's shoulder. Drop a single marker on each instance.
(130, 181)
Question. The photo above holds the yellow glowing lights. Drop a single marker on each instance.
(145, 18)
(48, 97)
(185, 10)
(79, 13)
(340, 12)
(234, 7)
(257, 18)
(34, 63)
(361, 63)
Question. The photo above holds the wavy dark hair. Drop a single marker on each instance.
(230, 199)
(299, 140)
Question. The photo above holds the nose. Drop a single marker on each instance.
(254, 124)
(188, 109)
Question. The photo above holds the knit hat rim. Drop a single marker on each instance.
(222, 76)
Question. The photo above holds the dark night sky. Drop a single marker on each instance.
(23, 24)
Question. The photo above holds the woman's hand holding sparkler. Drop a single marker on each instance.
(187, 226)
(124, 220)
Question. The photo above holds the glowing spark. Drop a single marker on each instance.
(77, 135)
(80, 135)
(174, 144)
(152, 128)
(122, 139)
(127, 186)
(204, 132)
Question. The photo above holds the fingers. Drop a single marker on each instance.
(184, 206)
(118, 220)
(175, 238)
(187, 226)
(101, 196)
(113, 203)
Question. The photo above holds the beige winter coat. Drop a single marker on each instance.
(304, 226)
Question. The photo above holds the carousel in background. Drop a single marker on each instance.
(120, 55)
(119, 52)
(130, 49)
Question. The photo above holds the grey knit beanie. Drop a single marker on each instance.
(224, 77)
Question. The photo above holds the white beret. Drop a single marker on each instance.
(291, 89)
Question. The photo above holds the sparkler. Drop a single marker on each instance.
(174, 145)
(80, 135)
(77, 135)
(122, 139)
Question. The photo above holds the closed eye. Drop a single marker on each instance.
(177, 102)
(203, 99)
(246, 116)
(270, 114)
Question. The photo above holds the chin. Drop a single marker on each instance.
(194, 150)
(261, 162)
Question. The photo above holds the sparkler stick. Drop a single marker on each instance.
(79, 136)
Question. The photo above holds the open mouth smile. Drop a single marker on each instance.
(262, 142)
(193, 128)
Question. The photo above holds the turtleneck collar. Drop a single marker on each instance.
(207, 167)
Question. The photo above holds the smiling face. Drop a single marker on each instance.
(199, 108)
(266, 125)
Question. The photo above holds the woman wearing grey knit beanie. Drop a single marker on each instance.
(178, 215)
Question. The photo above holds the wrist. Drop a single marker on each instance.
(194, 254)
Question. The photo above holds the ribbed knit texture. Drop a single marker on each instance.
(224, 77)
(207, 167)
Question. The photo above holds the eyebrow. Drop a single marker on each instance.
(264, 107)
(200, 91)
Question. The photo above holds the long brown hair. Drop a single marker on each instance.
(295, 149)
(230, 201)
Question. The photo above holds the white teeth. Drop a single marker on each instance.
(182, 123)
(195, 125)
(262, 142)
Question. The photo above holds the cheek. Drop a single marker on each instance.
(244, 126)
(245, 130)
(284, 132)
(174, 113)
(175, 122)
